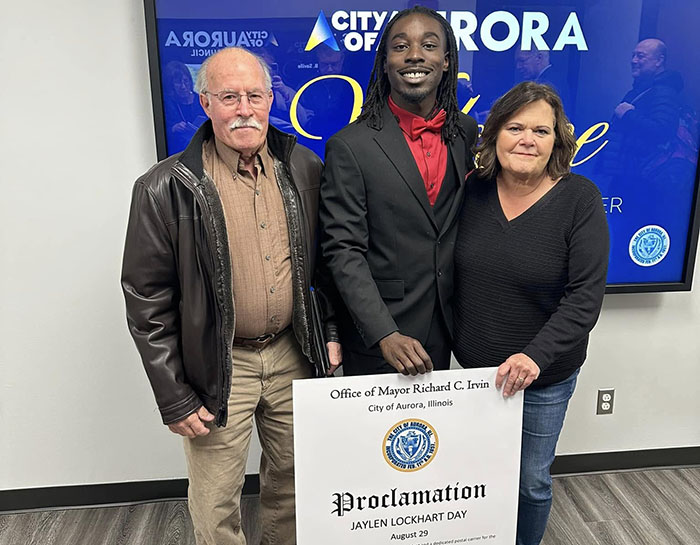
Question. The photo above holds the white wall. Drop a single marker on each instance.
(75, 406)
(647, 347)
(77, 130)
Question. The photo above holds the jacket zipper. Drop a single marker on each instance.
(304, 318)
(225, 371)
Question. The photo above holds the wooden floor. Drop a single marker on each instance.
(660, 507)
(653, 507)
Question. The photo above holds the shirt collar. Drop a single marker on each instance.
(232, 158)
(409, 122)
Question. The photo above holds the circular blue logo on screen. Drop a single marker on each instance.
(410, 445)
(649, 245)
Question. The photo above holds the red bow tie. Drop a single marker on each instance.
(418, 124)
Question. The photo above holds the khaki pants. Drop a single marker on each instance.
(261, 386)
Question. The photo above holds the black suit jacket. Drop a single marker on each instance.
(389, 259)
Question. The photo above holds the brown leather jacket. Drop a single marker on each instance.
(176, 273)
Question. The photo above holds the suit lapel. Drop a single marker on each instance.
(393, 144)
(459, 156)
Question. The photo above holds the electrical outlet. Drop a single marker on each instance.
(606, 399)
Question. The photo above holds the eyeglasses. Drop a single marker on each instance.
(256, 99)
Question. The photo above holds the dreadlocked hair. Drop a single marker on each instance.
(378, 88)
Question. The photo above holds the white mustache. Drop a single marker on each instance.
(241, 122)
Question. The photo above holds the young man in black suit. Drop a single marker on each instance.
(391, 192)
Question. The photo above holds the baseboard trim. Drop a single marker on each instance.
(145, 491)
(103, 494)
(626, 460)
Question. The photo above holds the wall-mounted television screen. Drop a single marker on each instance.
(625, 71)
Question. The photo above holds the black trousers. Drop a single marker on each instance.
(437, 345)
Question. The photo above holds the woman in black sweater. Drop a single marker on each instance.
(531, 261)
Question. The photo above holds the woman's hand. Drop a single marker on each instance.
(516, 373)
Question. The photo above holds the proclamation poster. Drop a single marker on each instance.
(426, 460)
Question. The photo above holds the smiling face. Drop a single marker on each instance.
(241, 126)
(525, 142)
(416, 60)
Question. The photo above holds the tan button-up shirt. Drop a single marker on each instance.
(258, 239)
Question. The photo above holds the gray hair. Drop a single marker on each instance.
(200, 84)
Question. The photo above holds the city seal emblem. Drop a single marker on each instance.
(649, 245)
(410, 445)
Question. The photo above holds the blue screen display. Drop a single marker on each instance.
(625, 71)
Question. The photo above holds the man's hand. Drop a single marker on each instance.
(521, 371)
(193, 425)
(406, 354)
(335, 355)
(623, 108)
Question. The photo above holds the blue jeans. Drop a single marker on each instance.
(543, 417)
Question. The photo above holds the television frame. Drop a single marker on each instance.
(642, 287)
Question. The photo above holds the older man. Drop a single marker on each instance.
(216, 277)
(643, 139)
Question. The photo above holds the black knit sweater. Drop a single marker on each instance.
(534, 284)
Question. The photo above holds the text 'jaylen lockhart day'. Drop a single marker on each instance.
(408, 520)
